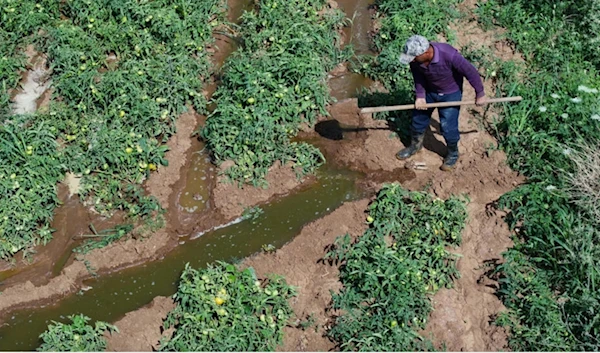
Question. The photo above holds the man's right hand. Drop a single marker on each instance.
(420, 104)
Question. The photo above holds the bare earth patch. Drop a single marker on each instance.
(230, 200)
(140, 330)
(300, 262)
(34, 83)
(160, 183)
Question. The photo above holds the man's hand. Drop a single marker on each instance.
(481, 101)
(420, 104)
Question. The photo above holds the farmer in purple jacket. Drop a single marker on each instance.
(438, 71)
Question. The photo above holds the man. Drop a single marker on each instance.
(438, 71)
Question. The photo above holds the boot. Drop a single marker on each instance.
(416, 144)
(451, 158)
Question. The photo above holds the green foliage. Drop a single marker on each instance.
(224, 309)
(118, 111)
(75, 337)
(399, 20)
(29, 171)
(106, 237)
(549, 279)
(122, 72)
(389, 272)
(272, 84)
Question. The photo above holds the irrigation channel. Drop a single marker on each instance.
(109, 297)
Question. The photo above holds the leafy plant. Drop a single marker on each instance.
(75, 337)
(272, 84)
(391, 269)
(549, 282)
(122, 72)
(224, 309)
(30, 168)
(104, 238)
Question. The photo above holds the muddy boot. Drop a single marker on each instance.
(416, 144)
(451, 158)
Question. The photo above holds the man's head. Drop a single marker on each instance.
(416, 48)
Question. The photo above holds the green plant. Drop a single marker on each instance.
(391, 269)
(30, 168)
(310, 321)
(122, 72)
(77, 336)
(106, 237)
(224, 309)
(252, 213)
(549, 280)
(272, 84)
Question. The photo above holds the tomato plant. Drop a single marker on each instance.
(224, 309)
(389, 272)
(272, 84)
(78, 336)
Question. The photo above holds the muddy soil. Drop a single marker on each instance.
(34, 84)
(140, 330)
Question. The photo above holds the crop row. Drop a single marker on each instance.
(218, 309)
(390, 271)
(122, 72)
(271, 85)
(550, 278)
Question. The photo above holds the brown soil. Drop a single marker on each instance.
(160, 184)
(300, 262)
(230, 200)
(140, 330)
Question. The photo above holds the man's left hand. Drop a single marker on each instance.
(481, 101)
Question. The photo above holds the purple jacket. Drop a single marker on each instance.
(445, 73)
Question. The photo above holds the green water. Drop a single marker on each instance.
(113, 296)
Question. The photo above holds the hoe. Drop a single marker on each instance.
(390, 108)
(422, 165)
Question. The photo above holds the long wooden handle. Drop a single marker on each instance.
(436, 105)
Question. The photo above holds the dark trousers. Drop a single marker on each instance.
(448, 116)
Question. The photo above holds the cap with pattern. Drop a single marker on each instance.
(414, 46)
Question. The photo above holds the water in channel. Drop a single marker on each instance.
(348, 84)
(112, 296)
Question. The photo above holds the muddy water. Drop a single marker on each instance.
(194, 196)
(347, 84)
(33, 85)
(71, 219)
(127, 290)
